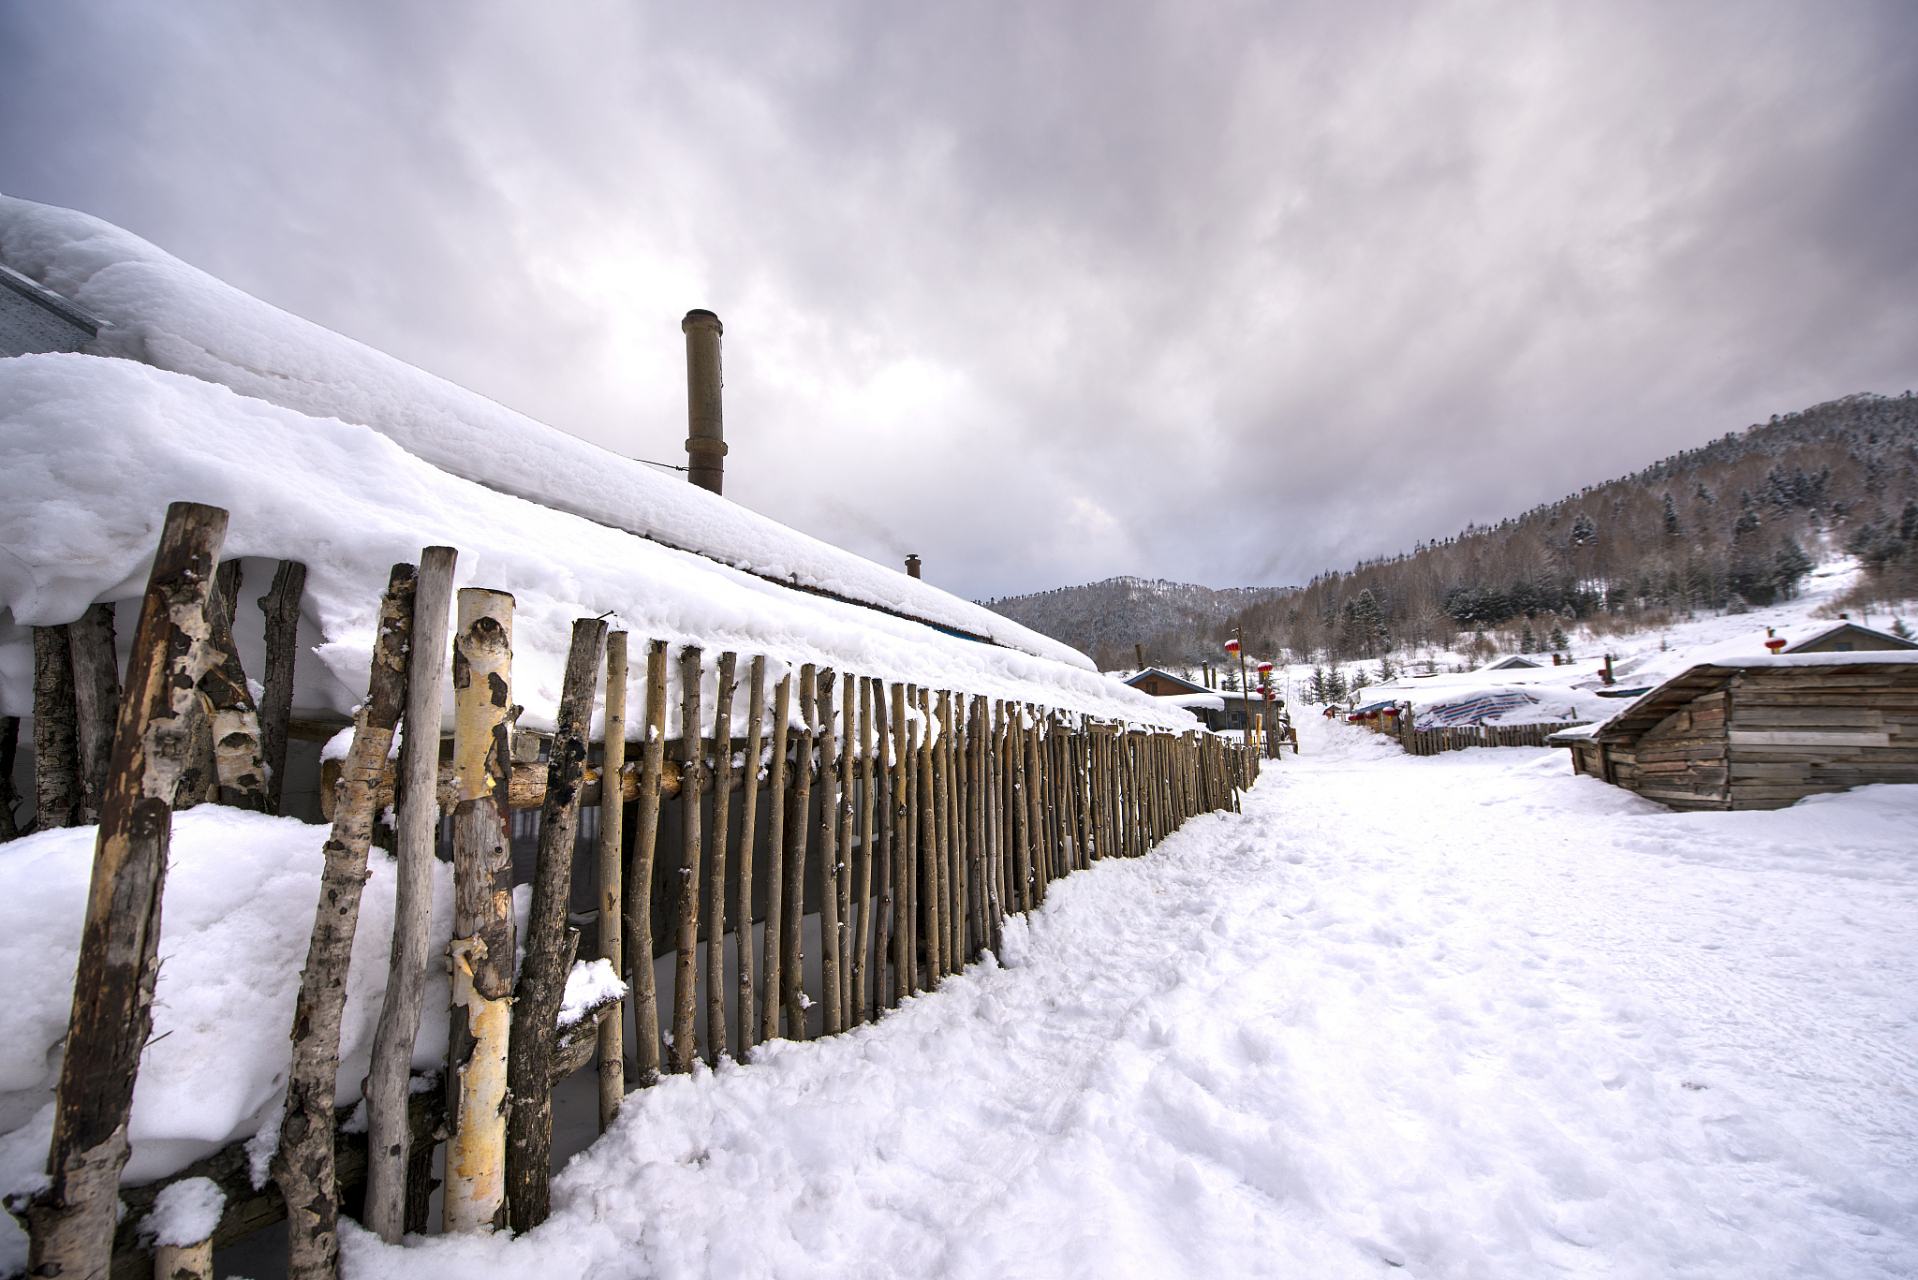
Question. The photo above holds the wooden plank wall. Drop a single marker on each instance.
(1794, 732)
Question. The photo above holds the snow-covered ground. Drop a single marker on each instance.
(1464, 1015)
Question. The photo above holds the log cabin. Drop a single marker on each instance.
(1761, 733)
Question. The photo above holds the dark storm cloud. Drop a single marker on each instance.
(1224, 293)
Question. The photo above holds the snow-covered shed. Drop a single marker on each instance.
(1762, 733)
(1846, 636)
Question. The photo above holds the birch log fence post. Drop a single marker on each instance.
(96, 699)
(542, 977)
(828, 862)
(70, 1221)
(799, 824)
(898, 826)
(303, 1165)
(716, 875)
(848, 754)
(915, 854)
(281, 605)
(685, 1046)
(748, 815)
(882, 989)
(58, 792)
(483, 927)
(239, 764)
(610, 865)
(862, 886)
(389, 1078)
(639, 873)
(772, 992)
(928, 925)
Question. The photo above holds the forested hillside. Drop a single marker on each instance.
(1739, 521)
(1175, 621)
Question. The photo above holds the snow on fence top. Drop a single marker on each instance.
(331, 453)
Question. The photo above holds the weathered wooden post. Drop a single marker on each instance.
(389, 1078)
(899, 829)
(745, 1010)
(862, 890)
(831, 1013)
(96, 698)
(639, 873)
(716, 877)
(9, 755)
(238, 762)
(58, 793)
(799, 826)
(483, 927)
(685, 1047)
(542, 978)
(848, 754)
(70, 1221)
(303, 1165)
(775, 952)
(281, 605)
(609, 865)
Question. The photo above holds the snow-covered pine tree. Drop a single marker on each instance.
(1559, 641)
(1527, 642)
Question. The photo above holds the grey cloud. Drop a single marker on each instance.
(1221, 293)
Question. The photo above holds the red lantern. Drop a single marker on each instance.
(1231, 646)
(1265, 668)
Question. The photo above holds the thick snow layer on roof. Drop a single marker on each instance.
(177, 317)
(95, 449)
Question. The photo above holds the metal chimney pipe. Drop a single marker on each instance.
(705, 423)
(912, 566)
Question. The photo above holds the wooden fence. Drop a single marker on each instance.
(1429, 742)
(909, 821)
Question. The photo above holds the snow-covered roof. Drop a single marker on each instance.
(1794, 643)
(1704, 677)
(331, 453)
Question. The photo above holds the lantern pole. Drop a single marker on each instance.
(1245, 683)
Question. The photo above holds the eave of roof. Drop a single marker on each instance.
(1709, 677)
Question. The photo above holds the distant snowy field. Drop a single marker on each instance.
(1463, 1015)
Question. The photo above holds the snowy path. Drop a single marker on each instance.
(1458, 1016)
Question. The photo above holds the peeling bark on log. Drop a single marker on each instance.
(58, 793)
(96, 699)
(303, 1166)
(483, 943)
(542, 981)
(238, 762)
(639, 873)
(747, 1012)
(71, 1221)
(610, 864)
(389, 1075)
(281, 605)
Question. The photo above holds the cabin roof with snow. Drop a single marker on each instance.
(1763, 733)
(1849, 637)
(34, 319)
(1512, 663)
(1163, 684)
(329, 452)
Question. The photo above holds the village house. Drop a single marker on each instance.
(1762, 732)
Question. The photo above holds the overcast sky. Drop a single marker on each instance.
(1219, 292)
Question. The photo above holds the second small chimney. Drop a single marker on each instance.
(705, 424)
(912, 566)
